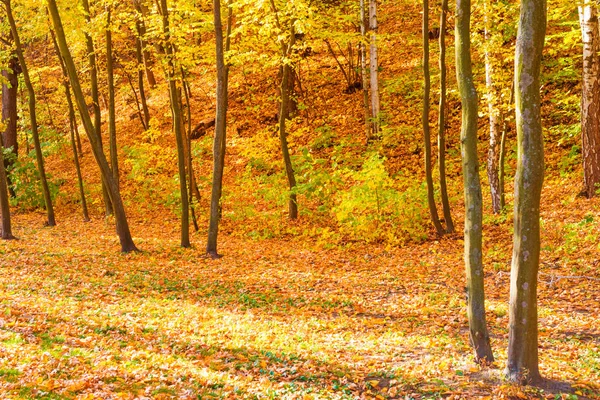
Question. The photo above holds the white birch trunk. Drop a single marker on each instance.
(374, 66)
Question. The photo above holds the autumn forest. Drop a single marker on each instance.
(297, 199)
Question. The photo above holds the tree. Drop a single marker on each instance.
(10, 88)
(219, 144)
(522, 365)
(473, 199)
(374, 67)
(590, 97)
(425, 118)
(32, 114)
(442, 121)
(110, 75)
(122, 225)
(4, 204)
(177, 126)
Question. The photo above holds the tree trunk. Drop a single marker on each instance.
(32, 115)
(4, 203)
(140, 75)
(442, 121)
(522, 363)
(374, 67)
(219, 144)
(590, 97)
(141, 31)
(10, 91)
(177, 129)
(425, 118)
(478, 333)
(72, 128)
(287, 159)
(95, 96)
(493, 156)
(122, 226)
(363, 70)
(112, 124)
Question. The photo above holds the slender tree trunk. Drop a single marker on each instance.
(502, 156)
(177, 129)
(493, 156)
(140, 75)
(141, 31)
(590, 97)
(425, 117)
(4, 203)
(72, 128)
(95, 96)
(478, 333)
(283, 115)
(188, 148)
(363, 70)
(122, 226)
(10, 92)
(219, 144)
(112, 124)
(522, 363)
(374, 67)
(442, 121)
(32, 115)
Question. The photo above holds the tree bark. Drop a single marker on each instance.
(590, 97)
(140, 76)
(363, 70)
(522, 365)
(122, 226)
(141, 31)
(95, 96)
(72, 128)
(32, 115)
(4, 203)
(219, 144)
(425, 118)
(442, 121)
(10, 91)
(112, 124)
(478, 333)
(177, 128)
(374, 68)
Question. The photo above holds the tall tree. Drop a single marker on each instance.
(442, 121)
(122, 225)
(478, 333)
(177, 126)
(32, 114)
(425, 118)
(522, 365)
(374, 67)
(10, 91)
(89, 42)
(4, 204)
(363, 69)
(590, 97)
(110, 75)
(219, 144)
(140, 25)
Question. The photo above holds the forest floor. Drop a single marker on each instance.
(272, 318)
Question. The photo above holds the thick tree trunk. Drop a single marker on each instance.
(442, 121)
(95, 96)
(590, 97)
(219, 144)
(10, 91)
(177, 129)
(374, 67)
(122, 226)
(112, 124)
(478, 333)
(522, 363)
(32, 115)
(4, 203)
(425, 118)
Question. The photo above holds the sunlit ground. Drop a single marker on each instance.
(272, 319)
